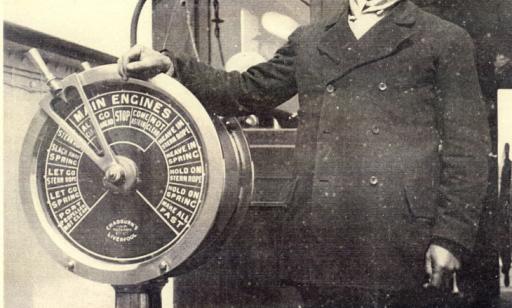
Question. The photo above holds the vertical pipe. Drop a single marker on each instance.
(209, 30)
(197, 22)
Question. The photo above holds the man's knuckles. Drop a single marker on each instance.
(449, 266)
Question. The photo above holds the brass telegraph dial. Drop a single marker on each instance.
(125, 181)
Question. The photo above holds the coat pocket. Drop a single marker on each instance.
(289, 192)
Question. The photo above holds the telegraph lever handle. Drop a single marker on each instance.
(51, 81)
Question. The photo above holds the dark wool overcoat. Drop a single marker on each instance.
(392, 143)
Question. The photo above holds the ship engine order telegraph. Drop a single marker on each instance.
(129, 181)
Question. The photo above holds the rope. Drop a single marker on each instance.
(217, 21)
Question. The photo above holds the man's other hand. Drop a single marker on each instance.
(439, 265)
(143, 62)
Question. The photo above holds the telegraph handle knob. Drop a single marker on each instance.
(86, 65)
(51, 81)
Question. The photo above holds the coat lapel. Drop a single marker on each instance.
(348, 53)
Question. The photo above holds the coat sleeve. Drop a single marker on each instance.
(465, 141)
(261, 87)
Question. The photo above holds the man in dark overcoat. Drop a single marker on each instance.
(391, 152)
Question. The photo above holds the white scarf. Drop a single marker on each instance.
(360, 7)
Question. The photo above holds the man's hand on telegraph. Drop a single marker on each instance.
(143, 62)
(439, 265)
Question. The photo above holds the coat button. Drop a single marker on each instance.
(375, 130)
(374, 181)
(330, 88)
(383, 86)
